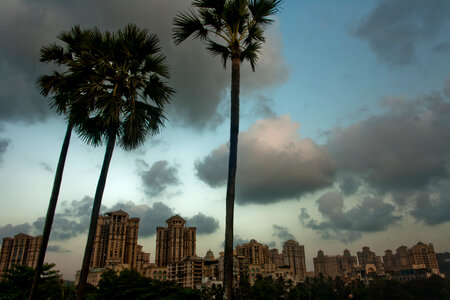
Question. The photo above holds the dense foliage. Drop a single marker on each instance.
(16, 283)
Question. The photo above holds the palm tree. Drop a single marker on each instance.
(125, 97)
(231, 29)
(63, 88)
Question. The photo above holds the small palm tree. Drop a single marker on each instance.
(63, 86)
(125, 97)
(231, 29)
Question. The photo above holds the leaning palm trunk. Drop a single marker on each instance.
(94, 216)
(232, 166)
(51, 212)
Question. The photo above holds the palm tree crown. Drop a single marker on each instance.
(239, 24)
(124, 96)
(122, 90)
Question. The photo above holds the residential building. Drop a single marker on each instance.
(294, 256)
(421, 254)
(275, 257)
(175, 242)
(370, 261)
(256, 253)
(23, 249)
(444, 263)
(188, 273)
(115, 242)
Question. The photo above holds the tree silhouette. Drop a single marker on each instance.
(239, 25)
(125, 97)
(63, 86)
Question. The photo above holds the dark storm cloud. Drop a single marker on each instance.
(10, 230)
(72, 221)
(370, 215)
(57, 248)
(200, 81)
(156, 215)
(405, 147)
(395, 29)
(158, 177)
(282, 233)
(237, 240)
(348, 183)
(430, 206)
(204, 224)
(274, 163)
(75, 216)
(150, 216)
(4, 143)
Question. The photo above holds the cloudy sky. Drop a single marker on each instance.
(344, 141)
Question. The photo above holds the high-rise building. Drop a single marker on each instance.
(335, 265)
(424, 254)
(444, 263)
(276, 257)
(116, 242)
(23, 249)
(370, 261)
(175, 242)
(294, 256)
(256, 253)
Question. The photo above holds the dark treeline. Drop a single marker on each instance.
(16, 284)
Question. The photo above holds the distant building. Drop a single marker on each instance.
(294, 256)
(275, 257)
(418, 262)
(256, 253)
(444, 263)
(188, 273)
(116, 242)
(175, 242)
(422, 254)
(370, 261)
(23, 249)
(336, 265)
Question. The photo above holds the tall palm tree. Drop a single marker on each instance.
(62, 85)
(125, 96)
(231, 29)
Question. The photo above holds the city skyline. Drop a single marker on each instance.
(344, 135)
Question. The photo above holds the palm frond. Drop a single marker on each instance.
(250, 53)
(187, 24)
(219, 50)
(262, 10)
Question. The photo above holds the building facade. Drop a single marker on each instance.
(336, 265)
(256, 253)
(294, 256)
(175, 242)
(116, 242)
(23, 249)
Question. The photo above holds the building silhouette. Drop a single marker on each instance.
(116, 242)
(175, 242)
(336, 265)
(294, 256)
(23, 249)
(256, 253)
(116, 246)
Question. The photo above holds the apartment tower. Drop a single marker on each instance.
(294, 256)
(116, 242)
(23, 249)
(175, 242)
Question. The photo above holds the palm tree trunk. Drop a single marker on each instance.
(95, 213)
(232, 164)
(51, 212)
